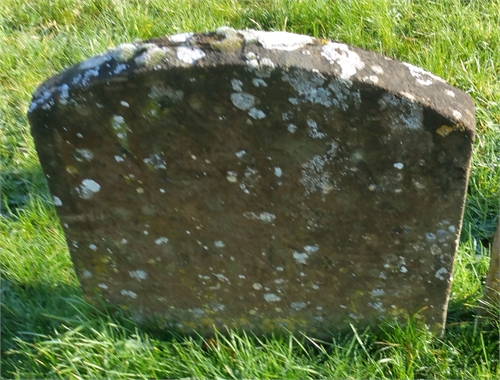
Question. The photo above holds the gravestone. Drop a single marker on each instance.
(257, 180)
(492, 287)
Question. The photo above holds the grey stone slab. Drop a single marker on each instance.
(257, 180)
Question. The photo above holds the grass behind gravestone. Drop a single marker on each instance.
(48, 331)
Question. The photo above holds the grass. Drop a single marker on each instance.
(48, 331)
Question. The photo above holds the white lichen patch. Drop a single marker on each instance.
(377, 69)
(57, 201)
(429, 236)
(278, 40)
(226, 31)
(257, 286)
(155, 161)
(218, 307)
(44, 99)
(262, 67)
(83, 155)
(237, 85)
(403, 112)
(88, 188)
(256, 113)
(343, 95)
(221, 277)
(180, 37)
(232, 176)
(348, 60)
(371, 78)
(189, 54)
(219, 244)
(84, 79)
(300, 257)
(258, 82)
(457, 114)
(139, 275)
(314, 177)
(313, 130)
(119, 68)
(441, 273)
(128, 293)
(161, 240)
(118, 124)
(408, 96)
(298, 305)
(240, 153)
(266, 217)
(87, 274)
(242, 100)
(311, 248)
(94, 62)
(64, 94)
(423, 77)
(151, 56)
(124, 52)
(271, 297)
(292, 128)
(450, 93)
(377, 292)
(379, 306)
(308, 87)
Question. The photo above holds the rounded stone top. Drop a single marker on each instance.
(262, 52)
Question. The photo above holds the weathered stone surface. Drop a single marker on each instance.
(257, 180)
(492, 286)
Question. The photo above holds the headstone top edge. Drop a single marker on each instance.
(246, 47)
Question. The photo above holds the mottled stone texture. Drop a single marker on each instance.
(257, 180)
(492, 288)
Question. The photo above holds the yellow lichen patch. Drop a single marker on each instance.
(189, 325)
(71, 169)
(243, 321)
(226, 46)
(397, 312)
(207, 322)
(126, 178)
(444, 130)
(99, 265)
(272, 324)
